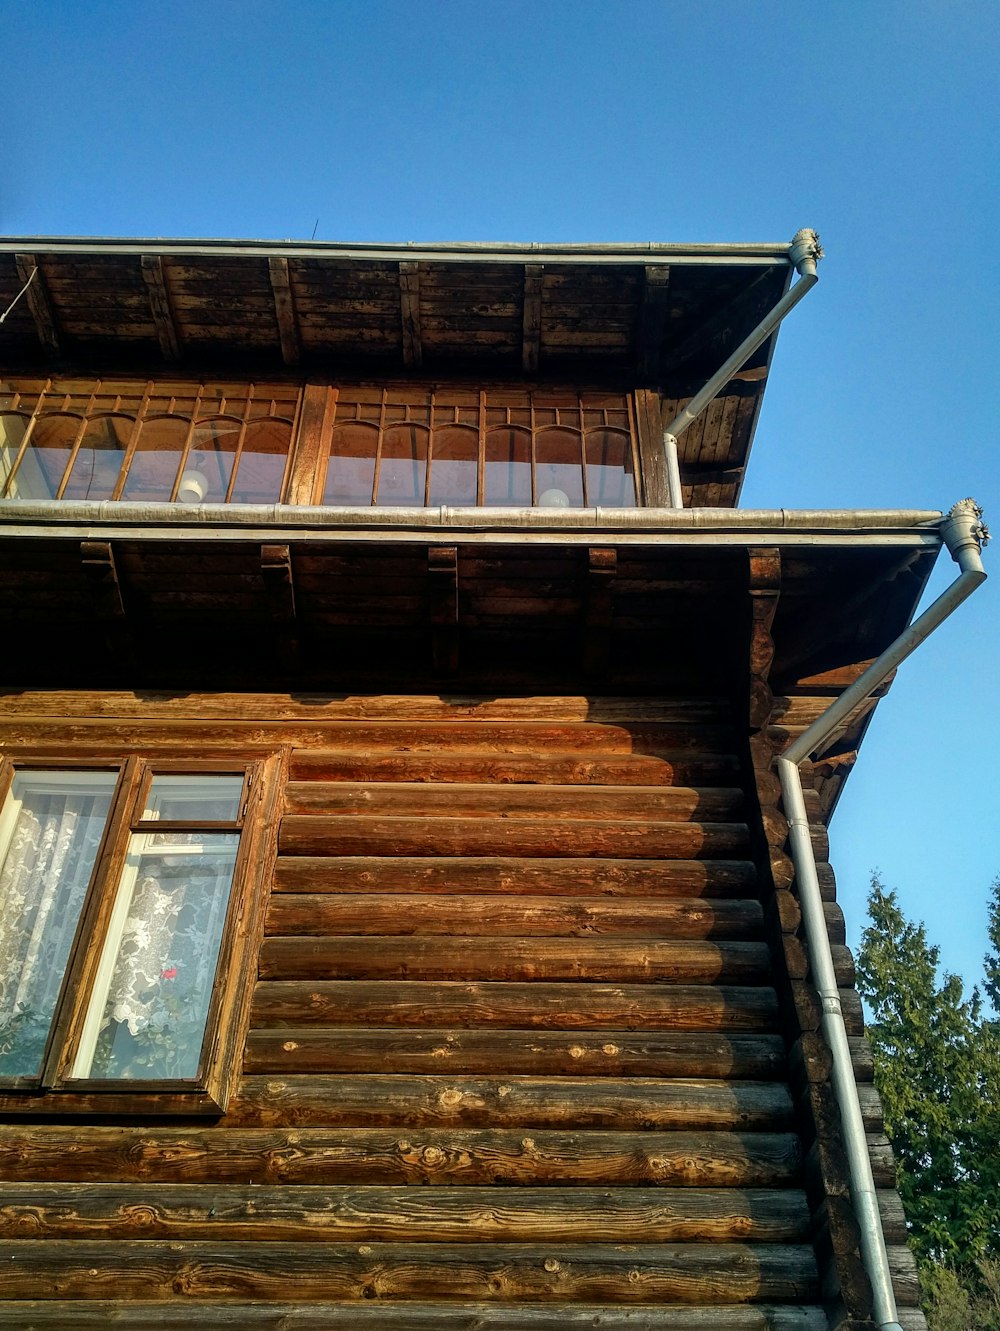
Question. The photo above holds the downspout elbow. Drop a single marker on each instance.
(965, 533)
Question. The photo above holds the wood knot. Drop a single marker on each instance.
(433, 1155)
(450, 1097)
(289, 1045)
(551, 1264)
(576, 1051)
(610, 1050)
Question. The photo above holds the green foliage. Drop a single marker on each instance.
(937, 1068)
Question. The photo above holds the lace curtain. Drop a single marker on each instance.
(158, 995)
(43, 883)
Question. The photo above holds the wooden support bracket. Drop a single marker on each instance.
(284, 309)
(279, 588)
(101, 574)
(409, 302)
(161, 309)
(602, 568)
(531, 327)
(29, 270)
(442, 578)
(651, 325)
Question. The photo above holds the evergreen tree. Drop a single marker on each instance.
(937, 1069)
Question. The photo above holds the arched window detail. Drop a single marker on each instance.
(97, 463)
(610, 469)
(47, 448)
(454, 466)
(155, 463)
(507, 473)
(146, 440)
(402, 470)
(558, 468)
(350, 474)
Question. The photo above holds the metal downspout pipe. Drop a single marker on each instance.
(964, 534)
(805, 253)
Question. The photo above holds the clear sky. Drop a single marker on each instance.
(624, 120)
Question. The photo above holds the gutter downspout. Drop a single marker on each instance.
(964, 533)
(805, 253)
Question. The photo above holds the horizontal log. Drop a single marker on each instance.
(156, 1269)
(153, 1155)
(422, 957)
(311, 1049)
(455, 1214)
(384, 1100)
(701, 769)
(223, 1315)
(305, 834)
(525, 740)
(464, 800)
(522, 916)
(538, 1006)
(561, 877)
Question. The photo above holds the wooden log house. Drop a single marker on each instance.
(399, 929)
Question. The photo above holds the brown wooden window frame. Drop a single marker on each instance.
(55, 1089)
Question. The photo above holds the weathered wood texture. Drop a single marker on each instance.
(515, 1054)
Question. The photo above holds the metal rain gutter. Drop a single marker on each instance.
(964, 533)
(805, 252)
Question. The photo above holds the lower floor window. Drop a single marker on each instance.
(115, 892)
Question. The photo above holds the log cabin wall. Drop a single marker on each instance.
(530, 1043)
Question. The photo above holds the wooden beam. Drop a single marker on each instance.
(409, 300)
(101, 574)
(602, 568)
(442, 578)
(284, 309)
(651, 325)
(531, 336)
(764, 585)
(160, 308)
(29, 270)
(279, 588)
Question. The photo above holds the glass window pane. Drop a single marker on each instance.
(454, 466)
(50, 831)
(507, 479)
(149, 1007)
(351, 470)
(262, 463)
(403, 467)
(155, 461)
(558, 469)
(610, 481)
(201, 799)
(41, 468)
(99, 459)
(209, 465)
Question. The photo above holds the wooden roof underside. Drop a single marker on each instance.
(634, 316)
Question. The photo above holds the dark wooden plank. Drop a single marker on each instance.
(673, 803)
(538, 1006)
(711, 879)
(379, 1315)
(30, 273)
(158, 1154)
(410, 314)
(308, 1050)
(531, 317)
(684, 1273)
(305, 834)
(541, 768)
(521, 916)
(455, 1215)
(580, 1102)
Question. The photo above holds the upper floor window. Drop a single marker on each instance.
(414, 446)
(116, 893)
(154, 441)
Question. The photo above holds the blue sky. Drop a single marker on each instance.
(876, 123)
